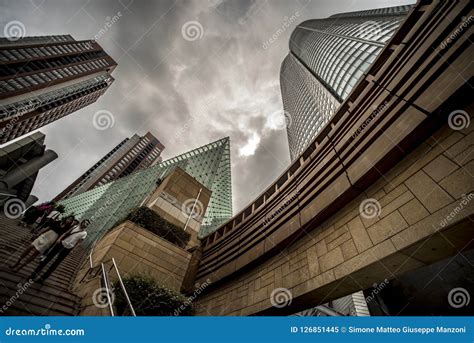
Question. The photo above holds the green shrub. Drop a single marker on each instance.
(152, 222)
(149, 298)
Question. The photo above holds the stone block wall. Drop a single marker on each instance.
(425, 206)
(136, 251)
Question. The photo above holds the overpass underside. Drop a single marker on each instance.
(386, 188)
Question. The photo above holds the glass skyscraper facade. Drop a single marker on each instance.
(107, 204)
(327, 58)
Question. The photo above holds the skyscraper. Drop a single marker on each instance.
(43, 79)
(327, 58)
(111, 202)
(129, 155)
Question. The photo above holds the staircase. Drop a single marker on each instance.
(51, 298)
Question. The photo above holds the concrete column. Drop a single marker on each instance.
(190, 276)
(28, 169)
(31, 200)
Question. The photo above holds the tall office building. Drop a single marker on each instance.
(327, 58)
(111, 202)
(129, 155)
(43, 79)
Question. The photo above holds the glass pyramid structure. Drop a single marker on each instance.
(108, 204)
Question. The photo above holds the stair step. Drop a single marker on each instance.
(37, 308)
(47, 291)
(54, 297)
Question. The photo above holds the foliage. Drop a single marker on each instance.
(151, 221)
(149, 298)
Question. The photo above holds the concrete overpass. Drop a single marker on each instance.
(385, 188)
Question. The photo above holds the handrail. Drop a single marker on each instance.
(123, 288)
(106, 282)
(90, 254)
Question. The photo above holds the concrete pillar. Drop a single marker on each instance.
(26, 170)
(31, 200)
(190, 276)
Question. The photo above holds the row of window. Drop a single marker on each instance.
(57, 94)
(19, 54)
(119, 167)
(33, 80)
(47, 117)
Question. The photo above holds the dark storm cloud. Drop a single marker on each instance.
(187, 93)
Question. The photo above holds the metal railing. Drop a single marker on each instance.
(105, 280)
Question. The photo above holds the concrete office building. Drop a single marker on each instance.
(128, 156)
(43, 79)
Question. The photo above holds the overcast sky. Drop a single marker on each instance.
(190, 72)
